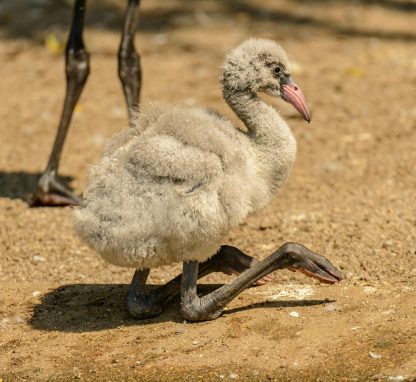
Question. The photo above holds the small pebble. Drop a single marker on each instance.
(294, 314)
(38, 259)
(375, 355)
(397, 378)
(370, 289)
(36, 293)
(387, 244)
(77, 373)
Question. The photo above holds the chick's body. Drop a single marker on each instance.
(170, 188)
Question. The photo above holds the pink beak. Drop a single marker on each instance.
(291, 93)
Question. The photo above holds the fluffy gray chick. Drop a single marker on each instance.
(171, 187)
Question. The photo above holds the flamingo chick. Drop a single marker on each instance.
(171, 187)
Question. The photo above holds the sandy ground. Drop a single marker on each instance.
(351, 196)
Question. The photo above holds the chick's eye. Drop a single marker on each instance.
(277, 70)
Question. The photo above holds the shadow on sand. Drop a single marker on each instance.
(31, 20)
(21, 185)
(94, 307)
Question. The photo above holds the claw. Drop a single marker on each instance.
(336, 273)
(264, 280)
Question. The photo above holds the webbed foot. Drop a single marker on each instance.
(51, 192)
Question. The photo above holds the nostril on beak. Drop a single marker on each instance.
(296, 88)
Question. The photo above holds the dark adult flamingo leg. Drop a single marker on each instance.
(49, 190)
(129, 69)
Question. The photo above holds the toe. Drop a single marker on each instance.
(318, 270)
(328, 267)
(51, 199)
(264, 280)
(322, 277)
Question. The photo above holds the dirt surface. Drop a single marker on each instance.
(351, 196)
